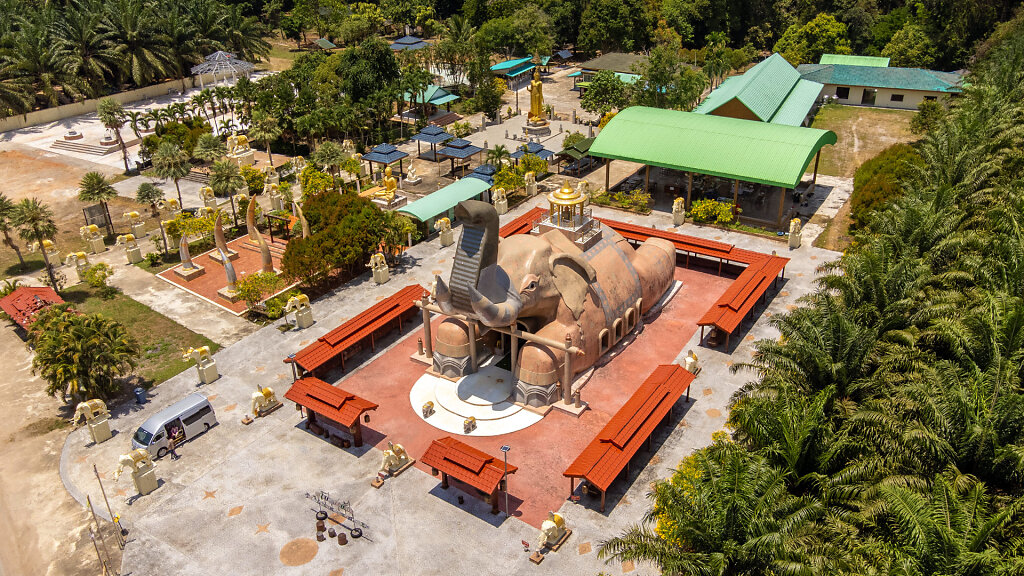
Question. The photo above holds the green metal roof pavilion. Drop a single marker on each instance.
(747, 150)
(772, 91)
(444, 199)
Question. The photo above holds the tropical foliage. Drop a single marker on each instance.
(882, 433)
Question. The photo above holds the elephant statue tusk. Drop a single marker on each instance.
(495, 315)
(443, 296)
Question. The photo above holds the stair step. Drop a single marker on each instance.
(92, 149)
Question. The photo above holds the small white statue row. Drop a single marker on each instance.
(92, 235)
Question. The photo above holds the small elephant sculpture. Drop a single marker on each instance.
(551, 530)
(692, 365)
(90, 409)
(297, 302)
(201, 355)
(206, 193)
(498, 195)
(48, 246)
(378, 261)
(170, 204)
(394, 458)
(89, 232)
(263, 400)
(136, 460)
(78, 259)
(128, 240)
(132, 218)
(442, 225)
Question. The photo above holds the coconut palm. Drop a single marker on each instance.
(137, 121)
(226, 180)
(244, 34)
(14, 92)
(82, 356)
(139, 40)
(7, 209)
(82, 40)
(94, 187)
(170, 161)
(498, 155)
(111, 114)
(266, 129)
(35, 223)
(209, 147)
(149, 193)
(329, 154)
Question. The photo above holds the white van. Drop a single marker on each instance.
(186, 418)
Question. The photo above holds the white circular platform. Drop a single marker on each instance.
(486, 396)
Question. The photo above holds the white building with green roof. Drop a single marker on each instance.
(882, 86)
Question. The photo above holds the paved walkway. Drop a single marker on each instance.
(235, 501)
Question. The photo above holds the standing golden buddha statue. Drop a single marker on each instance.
(536, 90)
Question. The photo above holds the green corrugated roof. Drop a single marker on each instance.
(325, 44)
(434, 94)
(510, 64)
(444, 199)
(615, 61)
(873, 77)
(850, 60)
(765, 90)
(799, 102)
(771, 154)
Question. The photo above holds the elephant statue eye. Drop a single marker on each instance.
(531, 285)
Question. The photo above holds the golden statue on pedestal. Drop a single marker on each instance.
(536, 90)
(390, 184)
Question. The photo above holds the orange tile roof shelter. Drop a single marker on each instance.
(461, 461)
(25, 302)
(330, 403)
(333, 345)
(609, 453)
(734, 305)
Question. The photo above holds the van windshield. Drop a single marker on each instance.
(143, 437)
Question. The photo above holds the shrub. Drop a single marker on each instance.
(254, 287)
(929, 114)
(254, 179)
(153, 258)
(461, 129)
(532, 163)
(876, 182)
(606, 119)
(712, 211)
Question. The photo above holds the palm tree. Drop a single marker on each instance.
(14, 92)
(149, 193)
(265, 128)
(226, 179)
(94, 187)
(170, 161)
(32, 56)
(156, 116)
(209, 148)
(184, 44)
(244, 34)
(498, 155)
(139, 40)
(81, 356)
(136, 119)
(7, 209)
(330, 155)
(82, 40)
(112, 115)
(35, 223)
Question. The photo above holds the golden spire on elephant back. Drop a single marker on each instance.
(567, 207)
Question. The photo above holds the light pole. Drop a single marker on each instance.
(504, 450)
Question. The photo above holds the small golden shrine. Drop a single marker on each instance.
(569, 214)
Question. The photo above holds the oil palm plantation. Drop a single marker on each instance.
(170, 161)
(35, 223)
(82, 39)
(140, 40)
(94, 187)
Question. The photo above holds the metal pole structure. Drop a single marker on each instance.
(103, 541)
(97, 548)
(117, 525)
(504, 450)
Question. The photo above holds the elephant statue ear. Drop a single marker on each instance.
(572, 276)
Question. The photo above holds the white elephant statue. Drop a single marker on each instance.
(136, 460)
(132, 218)
(78, 259)
(263, 400)
(692, 365)
(170, 204)
(89, 232)
(394, 458)
(201, 355)
(443, 225)
(90, 409)
(206, 193)
(48, 246)
(128, 240)
(377, 261)
(297, 302)
(551, 530)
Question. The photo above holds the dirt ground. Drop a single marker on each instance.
(862, 132)
(45, 531)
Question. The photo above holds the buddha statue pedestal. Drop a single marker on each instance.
(134, 255)
(393, 204)
(145, 480)
(190, 273)
(537, 127)
(303, 318)
(99, 429)
(97, 246)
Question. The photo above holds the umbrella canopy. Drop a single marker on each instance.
(532, 148)
(384, 154)
(222, 63)
(460, 149)
(433, 135)
(484, 172)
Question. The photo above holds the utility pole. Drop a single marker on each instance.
(504, 450)
(117, 525)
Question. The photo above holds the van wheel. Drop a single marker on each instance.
(161, 453)
(207, 425)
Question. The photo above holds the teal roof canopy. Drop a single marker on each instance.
(873, 61)
(772, 90)
(770, 154)
(889, 78)
(432, 95)
(444, 199)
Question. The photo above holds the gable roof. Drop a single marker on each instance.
(874, 77)
(408, 43)
(433, 94)
(766, 89)
(463, 462)
(615, 61)
(770, 154)
(25, 302)
(334, 403)
(874, 61)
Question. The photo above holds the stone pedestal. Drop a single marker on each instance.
(99, 429)
(304, 318)
(531, 189)
(215, 256)
(97, 246)
(80, 271)
(276, 203)
(678, 218)
(211, 202)
(139, 230)
(134, 255)
(273, 177)
(538, 128)
(208, 373)
(381, 275)
(396, 203)
(189, 273)
(243, 158)
(229, 295)
(794, 240)
(145, 480)
(501, 206)
(447, 238)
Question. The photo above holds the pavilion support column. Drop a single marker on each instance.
(515, 352)
(607, 174)
(689, 189)
(782, 204)
(647, 180)
(444, 480)
(494, 501)
(814, 178)
(602, 500)
(472, 347)
(357, 434)
(428, 347)
(736, 192)
(567, 376)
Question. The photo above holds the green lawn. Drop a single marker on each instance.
(862, 133)
(160, 338)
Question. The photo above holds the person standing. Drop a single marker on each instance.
(172, 442)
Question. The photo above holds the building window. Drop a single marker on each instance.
(930, 98)
(896, 98)
(842, 92)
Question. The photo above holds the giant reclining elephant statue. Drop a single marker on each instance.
(547, 285)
